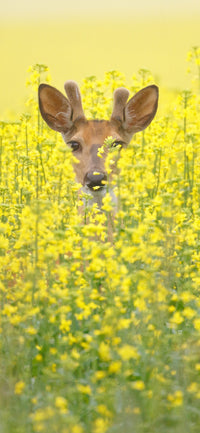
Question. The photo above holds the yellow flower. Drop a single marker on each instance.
(140, 304)
(103, 410)
(176, 399)
(53, 350)
(99, 375)
(8, 310)
(100, 425)
(189, 312)
(65, 325)
(34, 400)
(43, 414)
(177, 319)
(19, 387)
(75, 354)
(107, 203)
(197, 324)
(104, 352)
(38, 357)
(53, 367)
(3, 242)
(94, 291)
(138, 384)
(77, 429)
(84, 389)
(123, 323)
(193, 387)
(128, 352)
(31, 330)
(61, 404)
(115, 366)
(136, 410)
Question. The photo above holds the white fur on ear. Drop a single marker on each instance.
(141, 109)
(55, 108)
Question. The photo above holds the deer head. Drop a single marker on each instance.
(84, 136)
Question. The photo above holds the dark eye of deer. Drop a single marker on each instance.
(74, 146)
(118, 143)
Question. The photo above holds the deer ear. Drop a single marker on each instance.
(55, 108)
(141, 109)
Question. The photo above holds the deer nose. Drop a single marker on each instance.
(93, 179)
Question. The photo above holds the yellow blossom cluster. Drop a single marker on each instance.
(100, 310)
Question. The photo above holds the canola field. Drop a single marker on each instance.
(100, 316)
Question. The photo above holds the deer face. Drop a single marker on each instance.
(85, 143)
(85, 137)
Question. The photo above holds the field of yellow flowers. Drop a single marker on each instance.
(100, 333)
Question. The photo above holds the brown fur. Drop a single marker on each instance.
(91, 135)
(67, 116)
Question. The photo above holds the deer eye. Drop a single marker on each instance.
(118, 143)
(74, 146)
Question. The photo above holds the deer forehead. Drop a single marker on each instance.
(95, 132)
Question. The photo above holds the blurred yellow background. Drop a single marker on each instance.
(83, 38)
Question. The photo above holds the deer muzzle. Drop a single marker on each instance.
(95, 179)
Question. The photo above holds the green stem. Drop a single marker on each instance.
(159, 170)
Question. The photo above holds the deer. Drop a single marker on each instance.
(86, 137)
